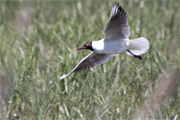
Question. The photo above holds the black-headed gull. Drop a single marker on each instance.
(116, 41)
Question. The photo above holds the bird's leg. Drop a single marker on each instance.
(137, 56)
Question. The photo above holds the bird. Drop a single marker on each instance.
(114, 42)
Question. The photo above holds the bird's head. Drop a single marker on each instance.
(87, 46)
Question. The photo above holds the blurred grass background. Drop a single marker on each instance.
(38, 42)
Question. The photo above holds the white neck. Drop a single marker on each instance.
(98, 45)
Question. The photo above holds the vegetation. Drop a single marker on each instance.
(38, 42)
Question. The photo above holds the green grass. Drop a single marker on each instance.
(38, 42)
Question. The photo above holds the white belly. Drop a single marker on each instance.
(110, 46)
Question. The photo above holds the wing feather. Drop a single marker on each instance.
(117, 26)
(90, 61)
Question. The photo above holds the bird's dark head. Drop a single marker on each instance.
(87, 46)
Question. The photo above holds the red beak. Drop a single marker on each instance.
(80, 48)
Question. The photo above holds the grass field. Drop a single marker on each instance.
(38, 42)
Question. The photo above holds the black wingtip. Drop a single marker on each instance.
(117, 5)
(121, 11)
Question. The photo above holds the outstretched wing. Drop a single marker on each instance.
(117, 26)
(90, 61)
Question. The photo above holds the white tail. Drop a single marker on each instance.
(138, 46)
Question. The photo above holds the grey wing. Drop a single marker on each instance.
(90, 61)
(117, 26)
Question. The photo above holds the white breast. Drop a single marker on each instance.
(110, 46)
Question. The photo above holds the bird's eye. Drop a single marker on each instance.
(86, 45)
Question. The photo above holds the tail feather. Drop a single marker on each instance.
(138, 46)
